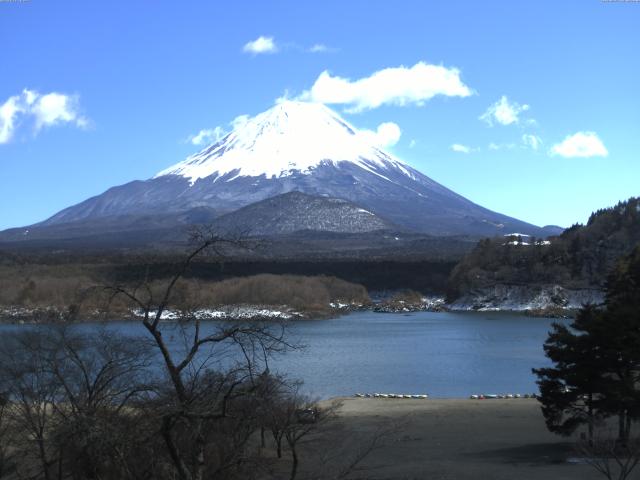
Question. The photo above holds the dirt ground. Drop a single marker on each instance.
(448, 439)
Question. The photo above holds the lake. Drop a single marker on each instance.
(449, 354)
(441, 354)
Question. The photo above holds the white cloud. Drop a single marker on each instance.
(386, 135)
(456, 147)
(45, 110)
(286, 96)
(55, 108)
(8, 113)
(207, 136)
(581, 144)
(412, 143)
(261, 45)
(503, 112)
(239, 121)
(501, 146)
(390, 86)
(532, 141)
(318, 48)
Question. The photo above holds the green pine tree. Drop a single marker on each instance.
(596, 372)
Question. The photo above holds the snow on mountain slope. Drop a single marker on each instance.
(304, 147)
(296, 211)
(290, 137)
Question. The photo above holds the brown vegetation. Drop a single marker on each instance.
(40, 286)
(76, 289)
(307, 293)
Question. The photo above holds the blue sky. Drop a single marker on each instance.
(96, 94)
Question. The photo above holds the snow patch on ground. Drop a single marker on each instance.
(523, 298)
(242, 312)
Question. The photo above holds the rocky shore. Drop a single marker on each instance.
(550, 301)
(536, 300)
(20, 315)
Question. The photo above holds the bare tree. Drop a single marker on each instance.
(291, 416)
(303, 417)
(31, 392)
(67, 393)
(100, 375)
(5, 459)
(201, 393)
(613, 459)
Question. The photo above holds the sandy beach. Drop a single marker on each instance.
(455, 439)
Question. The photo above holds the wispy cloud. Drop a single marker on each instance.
(43, 110)
(531, 141)
(580, 144)
(391, 86)
(318, 48)
(459, 148)
(261, 45)
(501, 146)
(239, 121)
(503, 112)
(267, 45)
(207, 136)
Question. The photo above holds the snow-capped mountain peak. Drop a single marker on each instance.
(290, 137)
(295, 147)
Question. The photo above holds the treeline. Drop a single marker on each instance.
(74, 293)
(401, 272)
(580, 257)
(308, 293)
(54, 283)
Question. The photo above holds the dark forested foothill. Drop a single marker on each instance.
(579, 258)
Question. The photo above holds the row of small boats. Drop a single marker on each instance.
(482, 396)
(390, 395)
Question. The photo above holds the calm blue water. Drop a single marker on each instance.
(442, 354)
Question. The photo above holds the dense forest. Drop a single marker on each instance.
(59, 281)
(581, 257)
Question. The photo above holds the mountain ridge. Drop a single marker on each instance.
(295, 211)
(297, 146)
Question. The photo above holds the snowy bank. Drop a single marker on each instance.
(521, 298)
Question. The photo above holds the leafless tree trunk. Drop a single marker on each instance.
(193, 408)
(32, 392)
(67, 398)
(613, 459)
(4, 433)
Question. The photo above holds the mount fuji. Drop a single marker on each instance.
(293, 147)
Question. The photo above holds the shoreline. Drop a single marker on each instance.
(13, 315)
